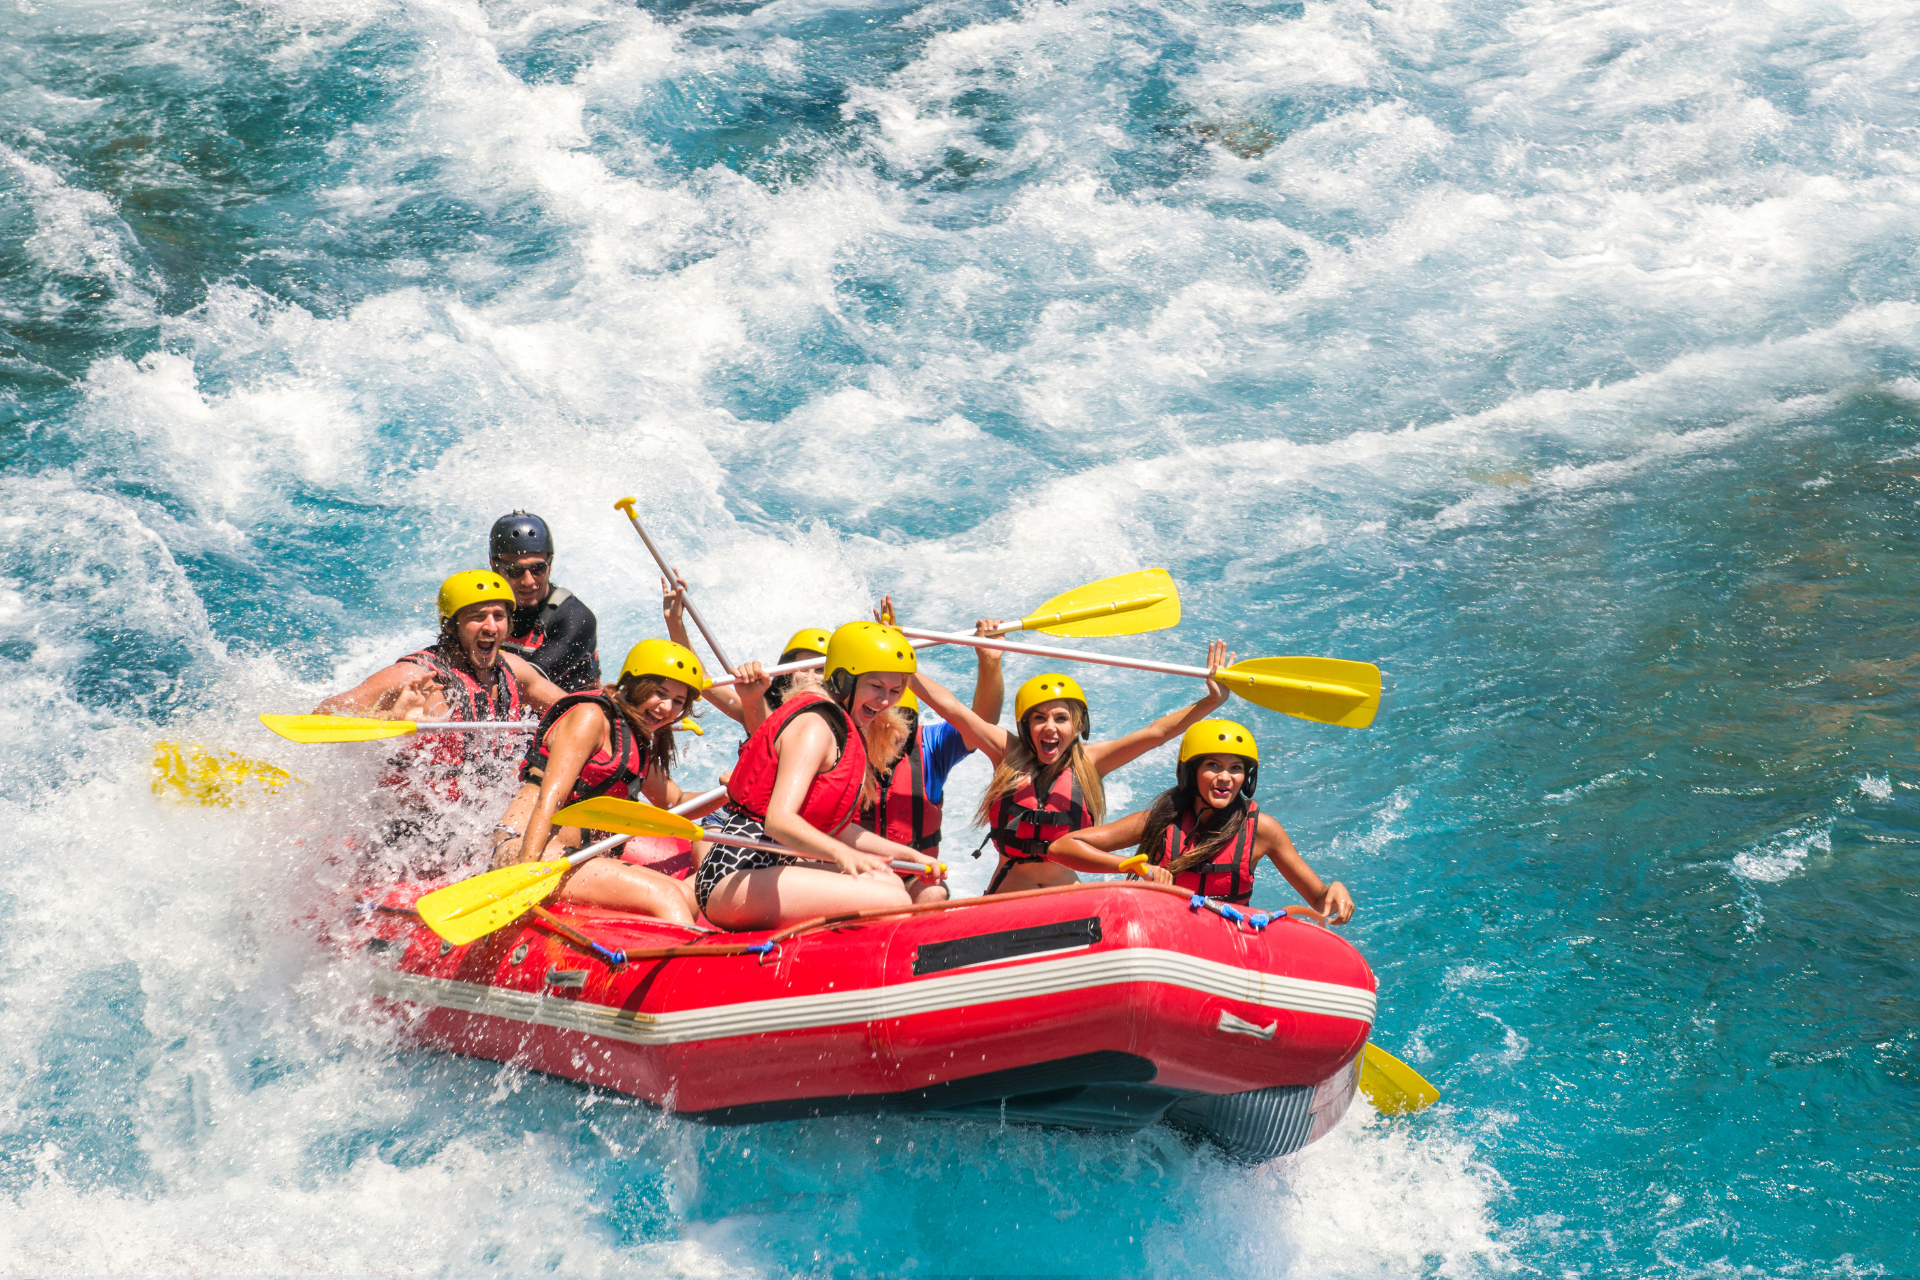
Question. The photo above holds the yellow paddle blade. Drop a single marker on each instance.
(1329, 690)
(188, 771)
(337, 728)
(1129, 605)
(604, 813)
(1393, 1087)
(492, 900)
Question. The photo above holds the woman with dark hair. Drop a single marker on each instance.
(1046, 775)
(615, 741)
(1205, 833)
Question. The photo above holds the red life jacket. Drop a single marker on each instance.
(439, 760)
(1230, 878)
(618, 774)
(831, 796)
(1021, 829)
(904, 814)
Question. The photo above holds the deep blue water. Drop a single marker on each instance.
(1559, 358)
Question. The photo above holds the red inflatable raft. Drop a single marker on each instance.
(1096, 1006)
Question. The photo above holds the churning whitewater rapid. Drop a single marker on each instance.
(1557, 357)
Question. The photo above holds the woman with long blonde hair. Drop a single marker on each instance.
(1046, 771)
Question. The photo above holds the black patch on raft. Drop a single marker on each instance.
(1052, 1087)
(1008, 944)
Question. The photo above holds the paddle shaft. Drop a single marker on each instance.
(626, 505)
(1226, 675)
(808, 664)
(475, 726)
(599, 847)
(1045, 651)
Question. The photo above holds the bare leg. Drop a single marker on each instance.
(1034, 875)
(773, 897)
(926, 890)
(605, 882)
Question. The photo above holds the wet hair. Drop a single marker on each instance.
(1022, 761)
(1216, 830)
(630, 693)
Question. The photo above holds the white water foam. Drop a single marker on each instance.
(603, 356)
(1782, 855)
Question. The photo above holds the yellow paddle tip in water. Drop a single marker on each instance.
(1393, 1087)
(336, 728)
(1130, 604)
(189, 772)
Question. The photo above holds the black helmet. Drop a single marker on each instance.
(520, 534)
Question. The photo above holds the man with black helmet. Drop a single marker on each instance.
(551, 628)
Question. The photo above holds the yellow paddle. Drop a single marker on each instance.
(1127, 605)
(189, 771)
(1391, 1085)
(605, 813)
(1329, 690)
(358, 729)
(478, 905)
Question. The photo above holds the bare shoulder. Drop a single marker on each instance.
(1269, 829)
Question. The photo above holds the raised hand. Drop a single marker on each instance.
(673, 599)
(1217, 657)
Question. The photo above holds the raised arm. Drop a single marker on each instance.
(990, 739)
(673, 607)
(1332, 901)
(1110, 755)
(1096, 849)
(989, 690)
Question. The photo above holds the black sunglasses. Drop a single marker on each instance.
(512, 571)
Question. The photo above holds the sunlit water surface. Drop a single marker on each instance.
(1560, 358)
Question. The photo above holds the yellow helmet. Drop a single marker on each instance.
(862, 647)
(1221, 738)
(1046, 688)
(665, 658)
(807, 640)
(908, 702)
(475, 586)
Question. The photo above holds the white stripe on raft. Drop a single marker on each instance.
(932, 995)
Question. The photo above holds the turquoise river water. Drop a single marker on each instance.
(1558, 357)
